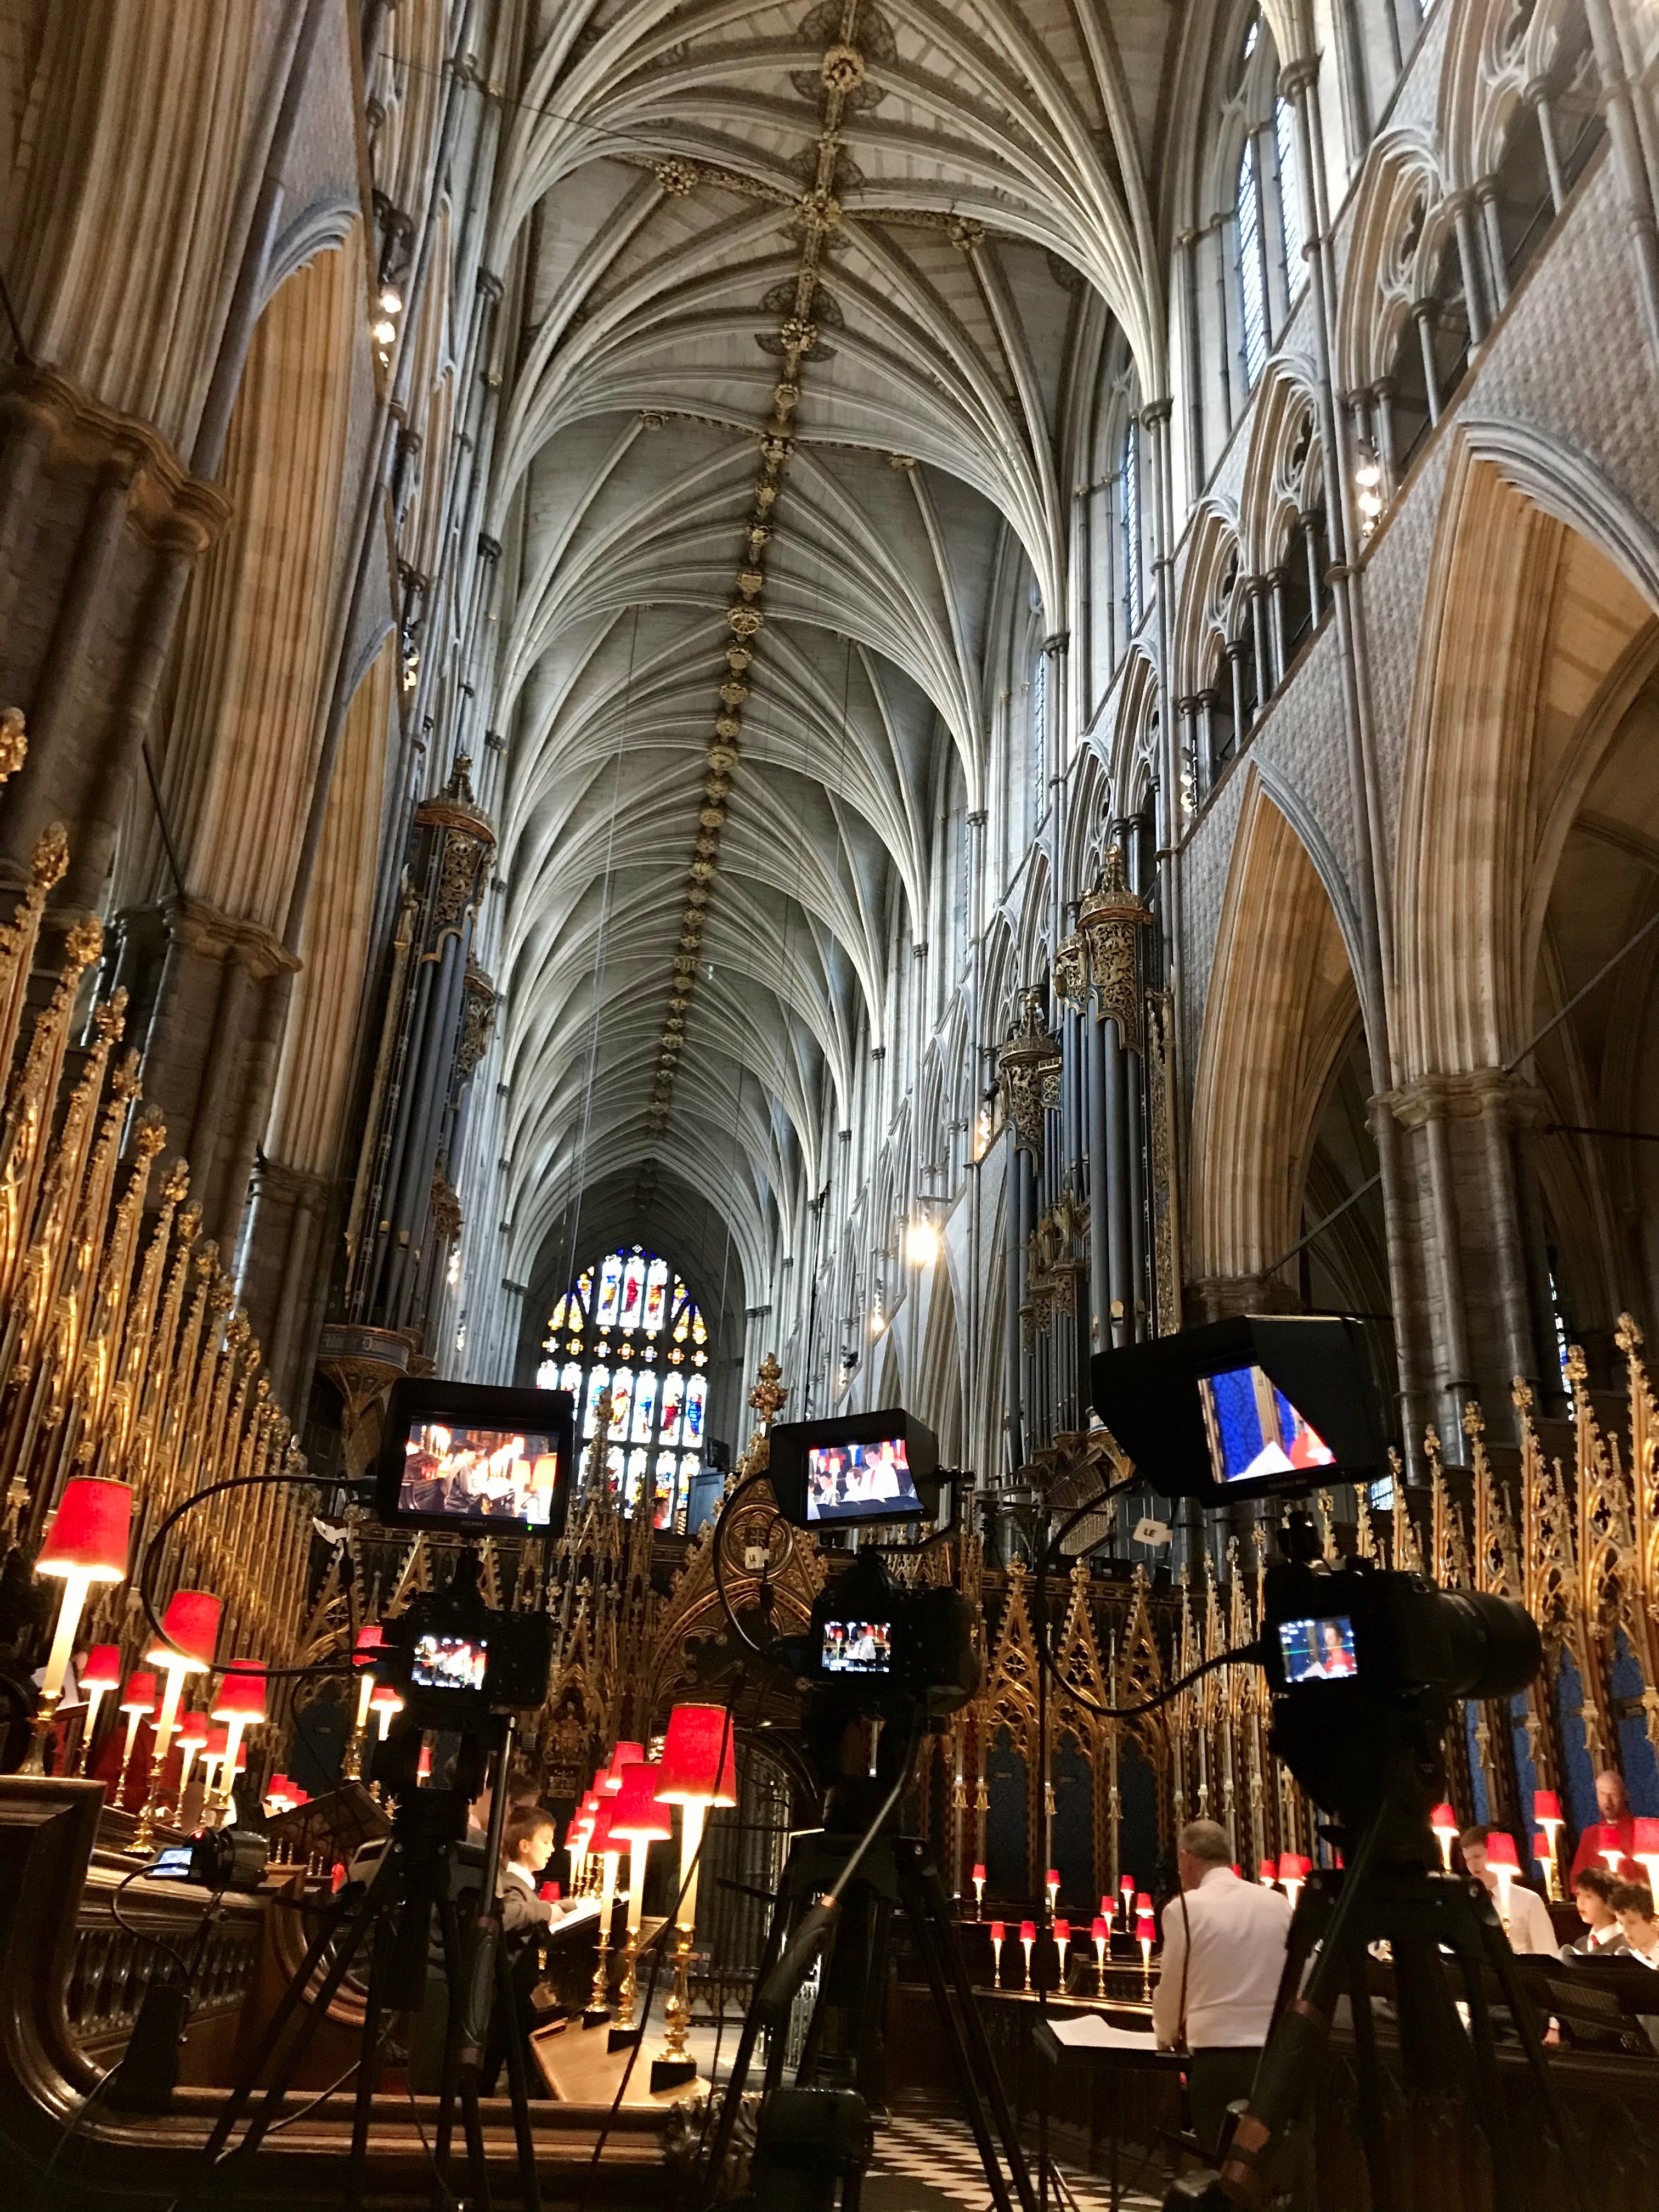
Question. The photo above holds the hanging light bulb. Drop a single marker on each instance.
(392, 299)
(383, 333)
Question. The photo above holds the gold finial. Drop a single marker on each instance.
(1520, 1394)
(1628, 1336)
(1475, 1421)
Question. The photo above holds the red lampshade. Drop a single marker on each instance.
(1607, 1840)
(550, 1893)
(383, 1695)
(1062, 1930)
(1500, 1850)
(217, 1739)
(699, 1758)
(1028, 1931)
(601, 1840)
(1541, 1846)
(1143, 1902)
(1292, 1867)
(979, 1873)
(1443, 1820)
(1100, 1929)
(193, 1730)
(369, 1640)
(624, 1756)
(89, 1531)
(242, 1692)
(103, 1668)
(1054, 1876)
(999, 1929)
(140, 1696)
(637, 1816)
(1266, 1871)
(1644, 1842)
(190, 1629)
(1145, 1928)
(1546, 1805)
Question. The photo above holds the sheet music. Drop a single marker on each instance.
(1089, 2032)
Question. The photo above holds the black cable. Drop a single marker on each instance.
(213, 1490)
(1246, 1655)
(761, 1651)
(149, 1935)
(289, 2119)
(67, 2134)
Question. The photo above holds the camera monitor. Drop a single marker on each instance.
(858, 1647)
(476, 1459)
(867, 1468)
(1258, 1404)
(449, 1662)
(1318, 1651)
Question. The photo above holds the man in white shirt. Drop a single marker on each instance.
(1529, 1925)
(1224, 1944)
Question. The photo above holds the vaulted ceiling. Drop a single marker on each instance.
(810, 287)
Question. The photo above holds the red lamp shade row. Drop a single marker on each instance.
(601, 1839)
(89, 1531)
(140, 1694)
(242, 1692)
(636, 1817)
(190, 1629)
(103, 1668)
(699, 1758)
(624, 1756)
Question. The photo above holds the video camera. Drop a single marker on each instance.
(874, 1646)
(454, 1660)
(475, 1460)
(1359, 1660)
(863, 1470)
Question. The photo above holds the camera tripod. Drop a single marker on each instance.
(394, 1916)
(1393, 1893)
(794, 2159)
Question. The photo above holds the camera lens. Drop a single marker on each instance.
(1494, 1644)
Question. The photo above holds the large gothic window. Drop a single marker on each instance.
(630, 1325)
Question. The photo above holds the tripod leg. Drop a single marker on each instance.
(292, 1996)
(1371, 2133)
(979, 2047)
(517, 2087)
(1505, 2181)
(450, 1942)
(477, 2165)
(368, 2068)
(977, 2080)
(368, 1918)
(732, 2104)
(1502, 1960)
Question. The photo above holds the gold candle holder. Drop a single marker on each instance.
(627, 1989)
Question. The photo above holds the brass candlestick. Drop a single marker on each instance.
(628, 1987)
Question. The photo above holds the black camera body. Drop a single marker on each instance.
(873, 1646)
(454, 1660)
(1365, 1665)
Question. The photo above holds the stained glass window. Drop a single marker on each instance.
(631, 1308)
(1252, 272)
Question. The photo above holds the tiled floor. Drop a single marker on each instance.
(932, 2165)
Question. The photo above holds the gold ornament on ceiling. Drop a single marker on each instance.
(843, 69)
(676, 177)
(745, 621)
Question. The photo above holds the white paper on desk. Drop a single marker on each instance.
(1088, 2031)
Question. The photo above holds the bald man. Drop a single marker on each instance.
(1614, 1808)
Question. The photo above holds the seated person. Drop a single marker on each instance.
(1602, 1937)
(1634, 1903)
(530, 1839)
(1530, 1928)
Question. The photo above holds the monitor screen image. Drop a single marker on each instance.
(850, 1481)
(448, 1663)
(1254, 1431)
(1318, 1651)
(475, 1474)
(858, 1647)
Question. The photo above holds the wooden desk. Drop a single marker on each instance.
(579, 2068)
